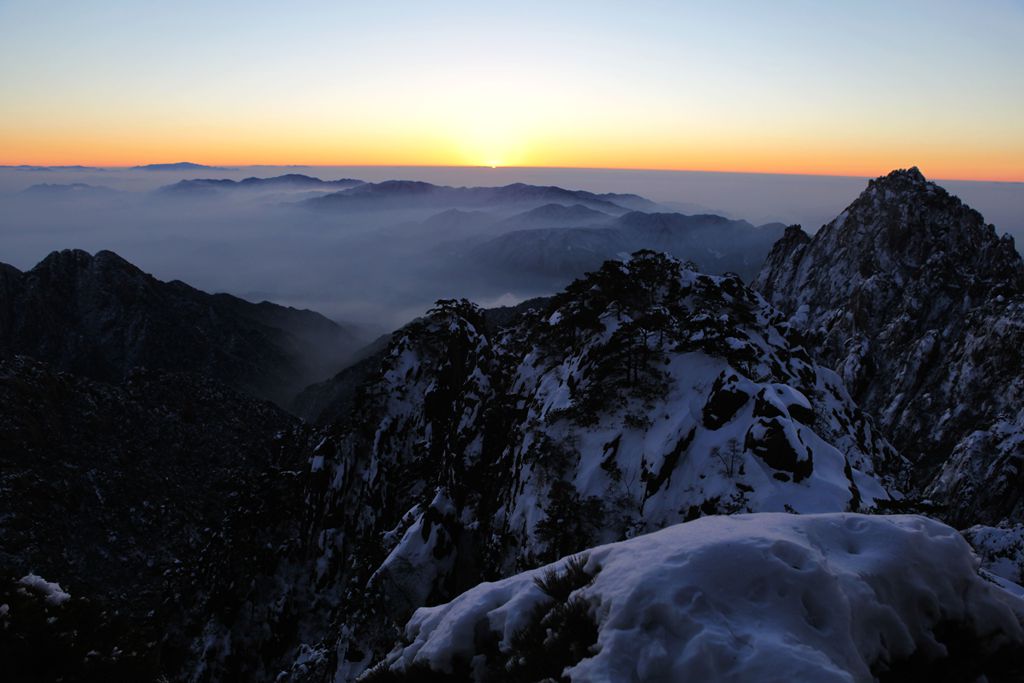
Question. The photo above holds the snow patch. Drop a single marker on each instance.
(51, 591)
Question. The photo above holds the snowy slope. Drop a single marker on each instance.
(684, 399)
(767, 597)
(644, 395)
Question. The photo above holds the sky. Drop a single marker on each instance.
(791, 86)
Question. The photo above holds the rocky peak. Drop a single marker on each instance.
(916, 302)
(903, 176)
(904, 239)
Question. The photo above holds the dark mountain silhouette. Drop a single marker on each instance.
(100, 316)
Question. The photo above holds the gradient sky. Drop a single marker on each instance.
(852, 88)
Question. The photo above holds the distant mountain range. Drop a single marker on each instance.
(180, 166)
(69, 190)
(555, 216)
(393, 194)
(714, 243)
(25, 167)
(291, 181)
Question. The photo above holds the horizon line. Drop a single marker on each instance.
(229, 167)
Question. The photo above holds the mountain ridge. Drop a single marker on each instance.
(418, 194)
(100, 316)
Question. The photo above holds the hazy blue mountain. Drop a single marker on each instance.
(714, 243)
(555, 216)
(290, 181)
(27, 167)
(69, 190)
(394, 194)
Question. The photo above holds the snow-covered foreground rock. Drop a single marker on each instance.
(760, 597)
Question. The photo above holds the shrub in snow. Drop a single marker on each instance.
(558, 632)
(1001, 549)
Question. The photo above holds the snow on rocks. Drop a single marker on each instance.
(919, 305)
(662, 394)
(763, 597)
(1001, 549)
(50, 591)
(643, 395)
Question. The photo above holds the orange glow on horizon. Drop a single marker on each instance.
(508, 148)
(710, 86)
(860, 169)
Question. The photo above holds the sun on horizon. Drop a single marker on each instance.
(764, 88)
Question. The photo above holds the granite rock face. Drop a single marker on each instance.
(919, 305)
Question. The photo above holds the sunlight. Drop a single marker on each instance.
(490, 141)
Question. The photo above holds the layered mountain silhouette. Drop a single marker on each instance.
(555, 216)
(714, 243)
(70, 190)
(394, 194)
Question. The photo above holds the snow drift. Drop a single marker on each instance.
(762, 597)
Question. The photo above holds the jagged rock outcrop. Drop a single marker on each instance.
(1001, 550)
(99, 316)
(919, 305)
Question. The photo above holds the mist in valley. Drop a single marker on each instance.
(377, 255)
